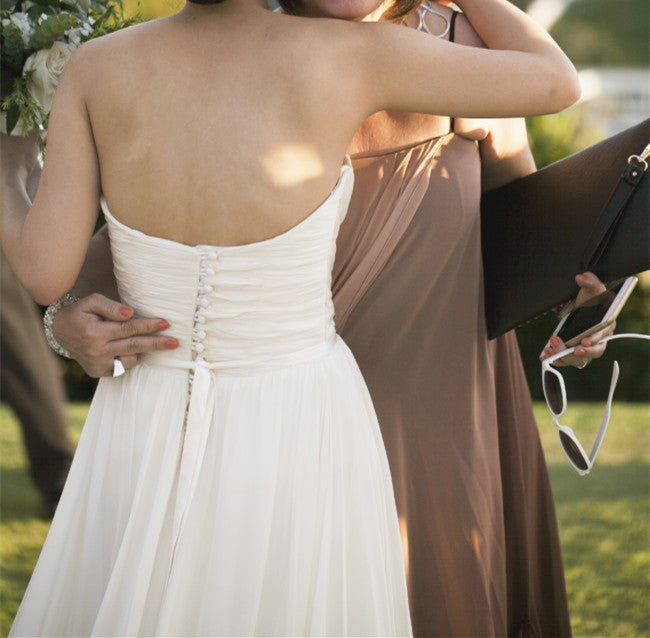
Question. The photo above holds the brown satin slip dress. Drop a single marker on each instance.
(475, 506)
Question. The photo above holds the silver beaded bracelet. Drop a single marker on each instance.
(48, 320)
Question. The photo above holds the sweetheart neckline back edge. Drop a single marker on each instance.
(346, 169)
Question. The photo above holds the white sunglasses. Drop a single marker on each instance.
(555, 395)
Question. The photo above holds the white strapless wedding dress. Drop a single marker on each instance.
(237, 486)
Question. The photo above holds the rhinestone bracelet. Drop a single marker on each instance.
(48, 320)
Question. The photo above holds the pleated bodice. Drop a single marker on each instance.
(238, 303)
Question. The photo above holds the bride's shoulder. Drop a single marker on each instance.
(99, 53)
(330, 32)
(318, 45)
(112, 48)
(104, 60)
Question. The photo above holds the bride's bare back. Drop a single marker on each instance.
(227, 124)
(218, 130)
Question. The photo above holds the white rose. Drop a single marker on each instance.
(47, 66)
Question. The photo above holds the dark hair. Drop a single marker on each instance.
(398, 9)
(205, 1)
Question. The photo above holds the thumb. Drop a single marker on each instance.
(590, 286)
(589, 281)
(106, 308)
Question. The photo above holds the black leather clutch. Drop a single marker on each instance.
(589, 211)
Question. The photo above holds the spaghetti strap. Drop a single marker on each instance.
(452, 33)
(452, 25)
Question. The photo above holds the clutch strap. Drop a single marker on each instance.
(607, 221)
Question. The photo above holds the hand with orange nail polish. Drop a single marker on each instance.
(96, 329)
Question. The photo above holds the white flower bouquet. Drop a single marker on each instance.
(36, 41)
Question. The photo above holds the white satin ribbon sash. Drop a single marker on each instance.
(198, 419)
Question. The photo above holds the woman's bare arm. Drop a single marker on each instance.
(46, 243)
(523, 72)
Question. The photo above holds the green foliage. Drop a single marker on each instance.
(12, 48)
(8, 5)
(38, 10)
(603, 33)
(52, 29)
(111, 20)
(553, 137)
(20, 107)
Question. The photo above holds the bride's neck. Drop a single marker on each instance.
(192, 9)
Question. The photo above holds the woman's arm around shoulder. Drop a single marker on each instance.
(523, 72)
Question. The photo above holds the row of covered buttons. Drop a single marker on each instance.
(202, 301)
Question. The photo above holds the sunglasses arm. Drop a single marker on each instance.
(608, 412)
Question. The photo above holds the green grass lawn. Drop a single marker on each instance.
(604, 520)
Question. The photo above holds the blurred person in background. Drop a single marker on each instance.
(32, 385)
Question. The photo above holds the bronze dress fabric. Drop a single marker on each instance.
(473, 497)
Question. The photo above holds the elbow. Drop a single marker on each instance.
(573, 90)
(44, 293)
(566, 91)
(44, 290)
(43, 296)
(45, 279)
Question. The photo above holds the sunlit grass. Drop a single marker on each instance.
(21, 531)
(604, 519)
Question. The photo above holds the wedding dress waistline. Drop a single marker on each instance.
(248, 366)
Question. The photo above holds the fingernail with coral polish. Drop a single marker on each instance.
(125, 312)
(163, 325)
(547, 352)
(171, 344)
(555, 342)
(581, 352)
